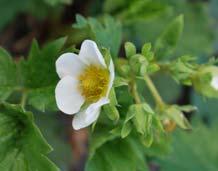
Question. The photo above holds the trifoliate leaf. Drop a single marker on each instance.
(168, 40)
(39, 75)
(120, 154)
(22, 146)
(8, 75)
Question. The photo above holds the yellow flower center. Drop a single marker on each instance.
(94, 83)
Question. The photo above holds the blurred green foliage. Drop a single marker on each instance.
(196, 150)
(142, 21)
(58, 138)
(147, 26)
(37, 8)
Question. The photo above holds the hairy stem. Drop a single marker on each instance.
(154, 92)
(23, 100)
(135, 92)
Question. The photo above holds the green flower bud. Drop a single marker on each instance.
(205, 81)
(138, 64)
(174, 115)
(123, 68)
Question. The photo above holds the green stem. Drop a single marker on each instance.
(23, 100)
(135, 93)
(154, 92)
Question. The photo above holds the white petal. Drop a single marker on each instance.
(90, 53)
(88, 116)
(214, 82)
(79, 120)
(68, 98)
(112, 76)
(69, 64)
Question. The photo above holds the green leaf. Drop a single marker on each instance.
(39, 68)
(126, 129)
(146, 51)
(141, 116)
(39, 74)
(153, 68)
(101, 31)
(187, 108)
(166, 43)
(22, 146)
(128, 155)
(197, 149)
(147, 140)
(138, 64)
(130, 114)
(177, 116)
(113, 98)
(43, 99)
(81, 22)
(101, 135)
(120, 81)
(111, 111)
(130, 49)
(8, 75)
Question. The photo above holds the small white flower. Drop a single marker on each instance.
(85, 79)
(214, 82)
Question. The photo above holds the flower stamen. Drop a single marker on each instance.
(94, 83)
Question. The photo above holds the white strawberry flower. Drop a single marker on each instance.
(214, 82)
(85, 79)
